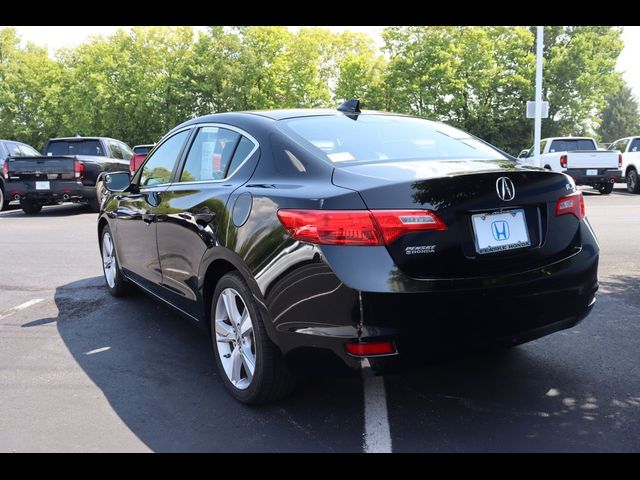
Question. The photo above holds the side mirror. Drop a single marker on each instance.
(117, 181)
(523, 153)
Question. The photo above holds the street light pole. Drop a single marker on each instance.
(537, 134)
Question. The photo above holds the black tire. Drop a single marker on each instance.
(272, 378)
(3, 204)
(30, 207)
(633, 181)
(120, 285)
(605, 188)
(96, 202)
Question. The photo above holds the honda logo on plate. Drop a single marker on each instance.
(500, 230)
(505, 188)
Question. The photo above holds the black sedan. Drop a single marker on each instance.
(366, 234)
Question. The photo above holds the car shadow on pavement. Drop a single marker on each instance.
(158, 373)
(574, 391)
(64, 210)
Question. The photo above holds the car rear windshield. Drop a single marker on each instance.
(75, 147)
(141, 150)
(370, 138)
(570, 145)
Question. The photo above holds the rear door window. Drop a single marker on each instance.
(115, 150)
(635, 145)
(28, 151)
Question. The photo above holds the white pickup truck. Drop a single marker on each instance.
(580, 158)
(630, 148)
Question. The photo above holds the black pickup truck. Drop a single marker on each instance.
(70, 170)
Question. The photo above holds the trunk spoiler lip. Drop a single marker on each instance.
(341, 175)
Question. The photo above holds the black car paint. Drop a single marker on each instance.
(324, 296)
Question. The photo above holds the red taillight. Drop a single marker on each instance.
(78, 169)
(132, 164)
(356, 227)
(5, 169)
(573, 204)
(563, 161)
(395, 223)
(371, 348)
(619, 160)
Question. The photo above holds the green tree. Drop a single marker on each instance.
(620, 117)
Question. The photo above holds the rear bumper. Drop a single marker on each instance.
(312, 307)
(604, 175)
(61, 190)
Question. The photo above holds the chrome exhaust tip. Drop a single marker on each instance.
(16, 197)
(65, 196)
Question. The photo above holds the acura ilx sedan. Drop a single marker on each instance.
(366, 234)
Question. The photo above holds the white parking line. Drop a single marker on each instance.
(22, 306)
(377, 435)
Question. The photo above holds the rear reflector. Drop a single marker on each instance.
(571, 204)
(356, 227)
(372, 348)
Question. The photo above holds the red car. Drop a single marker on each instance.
(139, 154)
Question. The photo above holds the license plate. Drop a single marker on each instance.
(496, 232)
(592, 172)
(43, 185)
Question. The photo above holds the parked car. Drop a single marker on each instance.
(70, 170)
(139, 154)
(630, 148)
(367, 234)
(13, 149)
(580, 158)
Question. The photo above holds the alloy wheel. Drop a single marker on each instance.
(109, 260)
(235, 338)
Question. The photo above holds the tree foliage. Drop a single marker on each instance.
(620, 117)
(138, 84)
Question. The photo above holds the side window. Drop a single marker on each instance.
(28, 151)
(14, 149)
(210, 154)
(158, 167)
(115, 150)
(242, 152)
(126, 151)
(622, 146)
(635, 145)
(614, 146)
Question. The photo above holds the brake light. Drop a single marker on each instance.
(563, 161)
(370, 348)
(356, 227)
(78, 169)
(132, 164)
(619, 160)
(5, 169)
(573, 204)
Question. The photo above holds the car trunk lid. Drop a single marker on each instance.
(456, 191)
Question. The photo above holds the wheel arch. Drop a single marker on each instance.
(629, 168)
(219, 261)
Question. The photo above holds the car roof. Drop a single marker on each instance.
(83, 138)
(568, 138)
(281, 114)
(144, 145)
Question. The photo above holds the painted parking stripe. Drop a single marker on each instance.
(22, 306)
(377, 435)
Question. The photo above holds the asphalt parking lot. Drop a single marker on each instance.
(81, 371)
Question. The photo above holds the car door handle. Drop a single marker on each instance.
(204, 216)
(148, 218)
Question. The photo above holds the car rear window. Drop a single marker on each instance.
(369, 138)
(568, 145)
(141, 150)
(75, 147)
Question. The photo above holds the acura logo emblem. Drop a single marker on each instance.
(505, 188)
